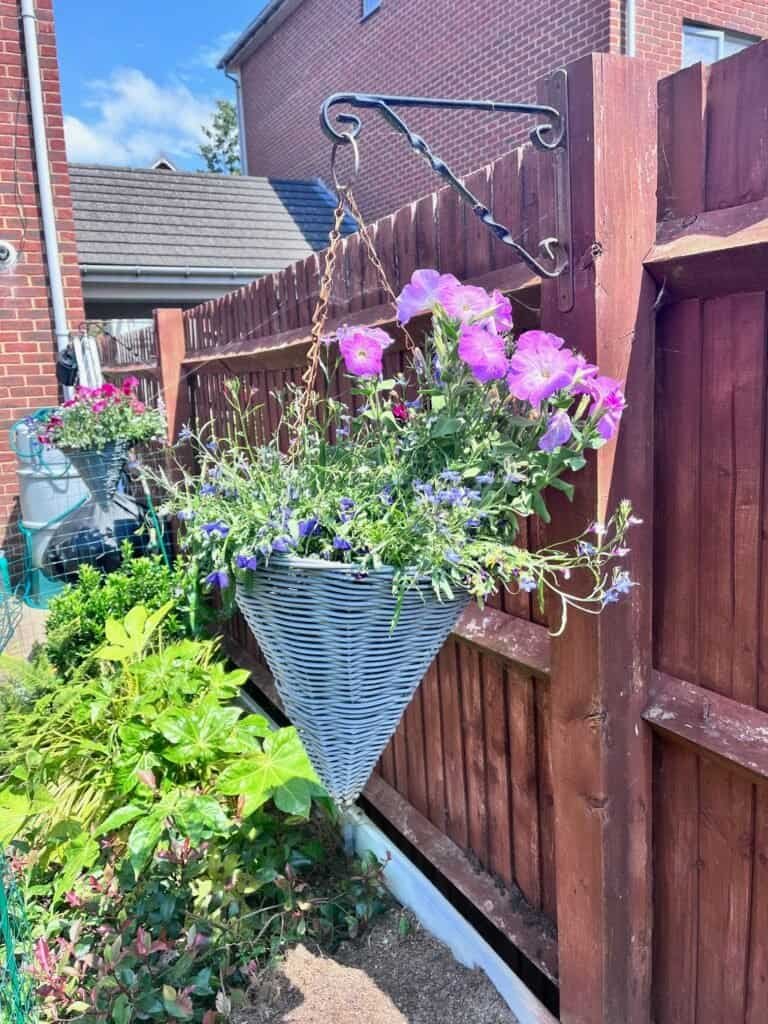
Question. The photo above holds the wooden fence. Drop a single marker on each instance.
(600, 797)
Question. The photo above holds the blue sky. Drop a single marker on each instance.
(139, 77)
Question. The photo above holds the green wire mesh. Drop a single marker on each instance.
(17, 996)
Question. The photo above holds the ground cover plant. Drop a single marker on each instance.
(429, 472)
(169, 842)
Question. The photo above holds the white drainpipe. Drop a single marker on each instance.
(29, 21)
(630, 18)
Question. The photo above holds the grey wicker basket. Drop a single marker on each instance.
(100, 468)
(344, 675)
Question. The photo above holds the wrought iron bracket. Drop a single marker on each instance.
(550, 135)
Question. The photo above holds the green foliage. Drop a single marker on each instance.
(96, 417)
(77, 618)
(166, 835)
(221, 152)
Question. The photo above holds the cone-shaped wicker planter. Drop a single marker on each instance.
(100, 469)
(344, 675)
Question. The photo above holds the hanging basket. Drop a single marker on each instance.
(100, 469)
(344, 675)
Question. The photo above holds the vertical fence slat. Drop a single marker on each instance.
(433, 744)
(601, 669)
(474, 745)
(757, 968)
(499, 769)
(525, 803)
(453, 732)
(683, 142)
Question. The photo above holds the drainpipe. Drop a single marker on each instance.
(630, 21)
(240, 120)
(29, 21)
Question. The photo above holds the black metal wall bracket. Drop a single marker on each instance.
(549, 135)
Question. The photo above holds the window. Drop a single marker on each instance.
(710, 44)
(369, 6)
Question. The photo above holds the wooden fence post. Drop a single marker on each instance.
(171, 350)
(601, 668)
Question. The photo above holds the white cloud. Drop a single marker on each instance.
(209, 56)
(136, 119)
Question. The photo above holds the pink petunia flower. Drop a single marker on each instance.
(109, 390)
(129, 384)
(362, 349)
(422, 293)
(538, 339)
(540, 368)
(484, 352)
(137, 406)
(99, 406)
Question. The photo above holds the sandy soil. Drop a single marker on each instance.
(383, 978)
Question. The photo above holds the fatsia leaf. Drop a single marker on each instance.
(200, 817)
(284, 758)
(119, 817)
(295, 796)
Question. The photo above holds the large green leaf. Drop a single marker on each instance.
(295, 796)
(119, 817)
(196, 733)
(200, 817)
(15, 808)
(144, 837)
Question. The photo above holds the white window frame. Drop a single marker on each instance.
(369, 7)
(715, 33)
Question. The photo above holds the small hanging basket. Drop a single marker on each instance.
(344, 674)
(100, 468)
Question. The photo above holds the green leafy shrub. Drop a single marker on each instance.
(165, 836)
(78, 615)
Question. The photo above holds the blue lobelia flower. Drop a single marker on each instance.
(218, 578)
(282, 544)
(250, 562)
(308, 527)
(341, 544)
(215, 529)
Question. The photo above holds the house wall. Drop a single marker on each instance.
(27, 345)
(493, 50)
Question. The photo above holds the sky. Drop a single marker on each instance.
(139, 77)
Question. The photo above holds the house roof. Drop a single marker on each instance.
(134, 218)
(262, 26)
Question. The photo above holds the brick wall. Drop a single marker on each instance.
(660, 25)
(495, 49)
(27, 344)
(492, 49)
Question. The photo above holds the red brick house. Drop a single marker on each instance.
(296, 52)
(27, 322)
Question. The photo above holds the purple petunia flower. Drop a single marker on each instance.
(215, 529)
(247, 562)
(341, 544)
(559, 430)
(609, 403)
(424, 291)
(467, 303)
(540, 368)
(307, 527)
(502, 314)
(484, 353)
(281, 545)
(362, 349)
(218, 578)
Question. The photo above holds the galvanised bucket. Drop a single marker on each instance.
(344, 675)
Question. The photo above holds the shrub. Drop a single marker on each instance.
(78, 615)
(165, 835)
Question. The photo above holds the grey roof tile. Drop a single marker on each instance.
(143, 217)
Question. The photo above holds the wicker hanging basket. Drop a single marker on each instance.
(100, 469)
(345, 676)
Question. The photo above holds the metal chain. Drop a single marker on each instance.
(373, 256)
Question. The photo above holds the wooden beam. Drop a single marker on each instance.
(717, 252)
(137, 369)
(527, 929)
(601, 668)
(714, 726)
(287, 348)
(171, 344)
(517, 641)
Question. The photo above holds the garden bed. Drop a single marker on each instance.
(393, 974)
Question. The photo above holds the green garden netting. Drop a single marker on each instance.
(17, 1003)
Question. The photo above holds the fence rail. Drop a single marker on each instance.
(601, 797)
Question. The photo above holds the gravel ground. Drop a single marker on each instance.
(383, 978)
